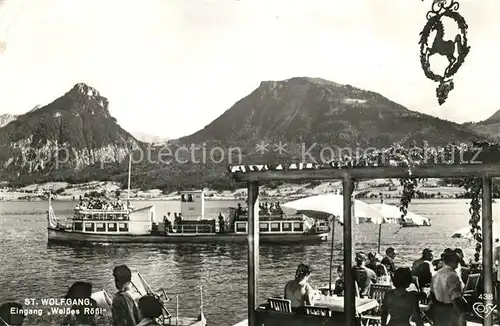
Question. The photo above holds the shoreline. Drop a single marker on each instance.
(388, 189)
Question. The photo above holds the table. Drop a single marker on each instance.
(336, 303)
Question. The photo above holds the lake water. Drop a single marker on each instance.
(30, 268)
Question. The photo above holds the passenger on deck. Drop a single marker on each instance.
(151, 309)
(221, 223)
(298, 290)
(363, 275)
(6, 316)
(125, 311)
(81, 290)
(400, 304)
(168, 226)
(422, 268)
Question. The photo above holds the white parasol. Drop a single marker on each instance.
(392, 214)
(332, 204)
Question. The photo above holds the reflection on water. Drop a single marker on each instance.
(33, 269)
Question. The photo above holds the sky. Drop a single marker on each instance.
(170, 67)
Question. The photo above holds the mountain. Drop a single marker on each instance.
(72, 133)
(6, 118)
(315, 111)
(149, 139)
(489, 127)
(302, 113)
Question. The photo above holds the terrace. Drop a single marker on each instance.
(407, 167)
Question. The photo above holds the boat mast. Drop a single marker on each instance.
(129, 173)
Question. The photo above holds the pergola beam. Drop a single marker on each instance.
(487, 222)
(252, 174)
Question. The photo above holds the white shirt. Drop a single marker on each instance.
(446, 285)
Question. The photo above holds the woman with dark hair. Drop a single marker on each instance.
(298, 290)
(151, 308)
(7, 317)
(400, 304)
(81, 291)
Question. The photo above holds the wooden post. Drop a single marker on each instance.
(349, 295)
(253, 252)
(487, 222)
(379, 236)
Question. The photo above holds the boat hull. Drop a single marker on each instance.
(63, 236)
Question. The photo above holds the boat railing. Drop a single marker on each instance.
(194, 229)
(101, 215)
(100, 210)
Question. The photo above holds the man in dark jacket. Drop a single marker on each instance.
(422, 268)
(388, 260)
(125, 310)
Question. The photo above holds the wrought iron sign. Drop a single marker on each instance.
(454, 50)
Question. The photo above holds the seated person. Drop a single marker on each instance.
(7, 318)
(81, 290)
(422, 268)
(383, 277)
(298, 290)
(400, 304)
(151, 309)
(363, 275)
(339, 283)
(438, 263)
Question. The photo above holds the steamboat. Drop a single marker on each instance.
(124, 224)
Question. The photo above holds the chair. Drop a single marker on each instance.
(143, 289)
(423, 303)
(377, 292)
(281, 305)
(470, 289)
(317, 311)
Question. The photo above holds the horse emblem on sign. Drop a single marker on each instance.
(455, 49)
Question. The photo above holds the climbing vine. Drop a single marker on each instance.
(475, 188)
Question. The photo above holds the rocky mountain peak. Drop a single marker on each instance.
(77, 123)
(6, 118)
